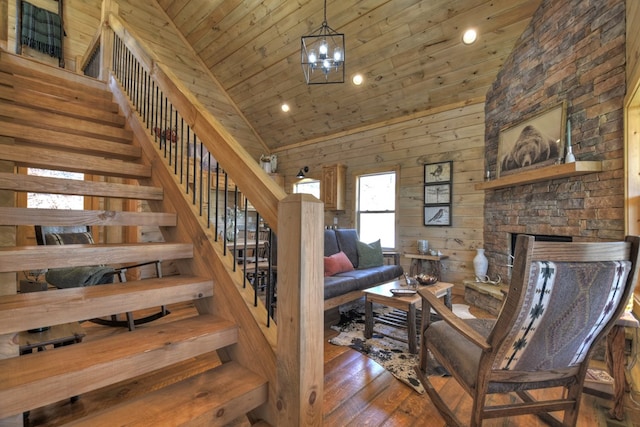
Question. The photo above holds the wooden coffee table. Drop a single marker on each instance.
(409, 304)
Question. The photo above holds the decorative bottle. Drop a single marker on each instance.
(480, 264)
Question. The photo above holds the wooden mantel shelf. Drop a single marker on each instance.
(545, 173)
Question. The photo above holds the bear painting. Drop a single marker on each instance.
(531, 147)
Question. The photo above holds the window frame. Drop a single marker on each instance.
(303, 181)
(356, 193)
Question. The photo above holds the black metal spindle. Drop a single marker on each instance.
(217, 211)
(167, 126)
(136, 85)
(193, 199)
(188, 161)
(145, 98)
(269, 288)
(226, 214)
(175, 166)
(201, 179)
(209, 190)
(128, 78)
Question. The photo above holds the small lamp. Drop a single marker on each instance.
(302, 172)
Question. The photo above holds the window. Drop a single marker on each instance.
(376, 208)
(308, 186)
(55, 201)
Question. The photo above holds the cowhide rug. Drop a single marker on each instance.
(391, 354)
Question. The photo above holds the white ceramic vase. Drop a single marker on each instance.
(480, 264)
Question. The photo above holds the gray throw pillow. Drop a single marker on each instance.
(369, 255)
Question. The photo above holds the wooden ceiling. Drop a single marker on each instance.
(409, 51)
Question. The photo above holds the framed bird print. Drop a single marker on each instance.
(437, 215)
(435, 173)
(437, 193)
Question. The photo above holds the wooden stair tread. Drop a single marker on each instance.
(41, 184)
(101, 111)
(49, 376)
(54, 76)
(20, 258)
(215, 397)
(53, 307)
(74, 162)
(60, 217)
(84, 145)
(39, 119)
(75, 92)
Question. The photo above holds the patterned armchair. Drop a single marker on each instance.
(563, 298)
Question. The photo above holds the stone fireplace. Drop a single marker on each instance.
(572, 51)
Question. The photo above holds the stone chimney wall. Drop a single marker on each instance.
(572, 51)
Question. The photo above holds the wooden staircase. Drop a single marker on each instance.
(56, 120)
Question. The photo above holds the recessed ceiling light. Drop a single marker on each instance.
(469, 36)
(285, 108)
(357, 79)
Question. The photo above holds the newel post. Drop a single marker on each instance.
(300, 348)
(106, 38)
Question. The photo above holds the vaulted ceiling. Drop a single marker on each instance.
(410, 53)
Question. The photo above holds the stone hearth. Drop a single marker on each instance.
(484, 295)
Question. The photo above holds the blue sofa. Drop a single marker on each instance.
(348, 286)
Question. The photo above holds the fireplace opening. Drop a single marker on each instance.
(540, 238)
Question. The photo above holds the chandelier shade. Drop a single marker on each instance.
(323, 55)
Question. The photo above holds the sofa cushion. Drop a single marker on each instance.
(336, 263)
(347, 238)
(373, 276)
(338, 285)
(369, 255)
(330, 243)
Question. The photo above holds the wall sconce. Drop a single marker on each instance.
(302, 172)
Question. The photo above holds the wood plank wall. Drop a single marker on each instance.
(456, 134)
(81, 19)
(633, 46)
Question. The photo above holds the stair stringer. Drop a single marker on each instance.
(255, 349)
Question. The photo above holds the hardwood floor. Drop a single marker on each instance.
(358, 392)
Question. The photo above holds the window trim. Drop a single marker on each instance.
(355, 175)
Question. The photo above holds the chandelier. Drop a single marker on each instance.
(322, 55)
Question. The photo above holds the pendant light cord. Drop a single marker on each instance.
(324, 23)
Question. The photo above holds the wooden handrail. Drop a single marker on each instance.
(253, 182)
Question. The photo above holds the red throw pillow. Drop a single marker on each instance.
(337, 263)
